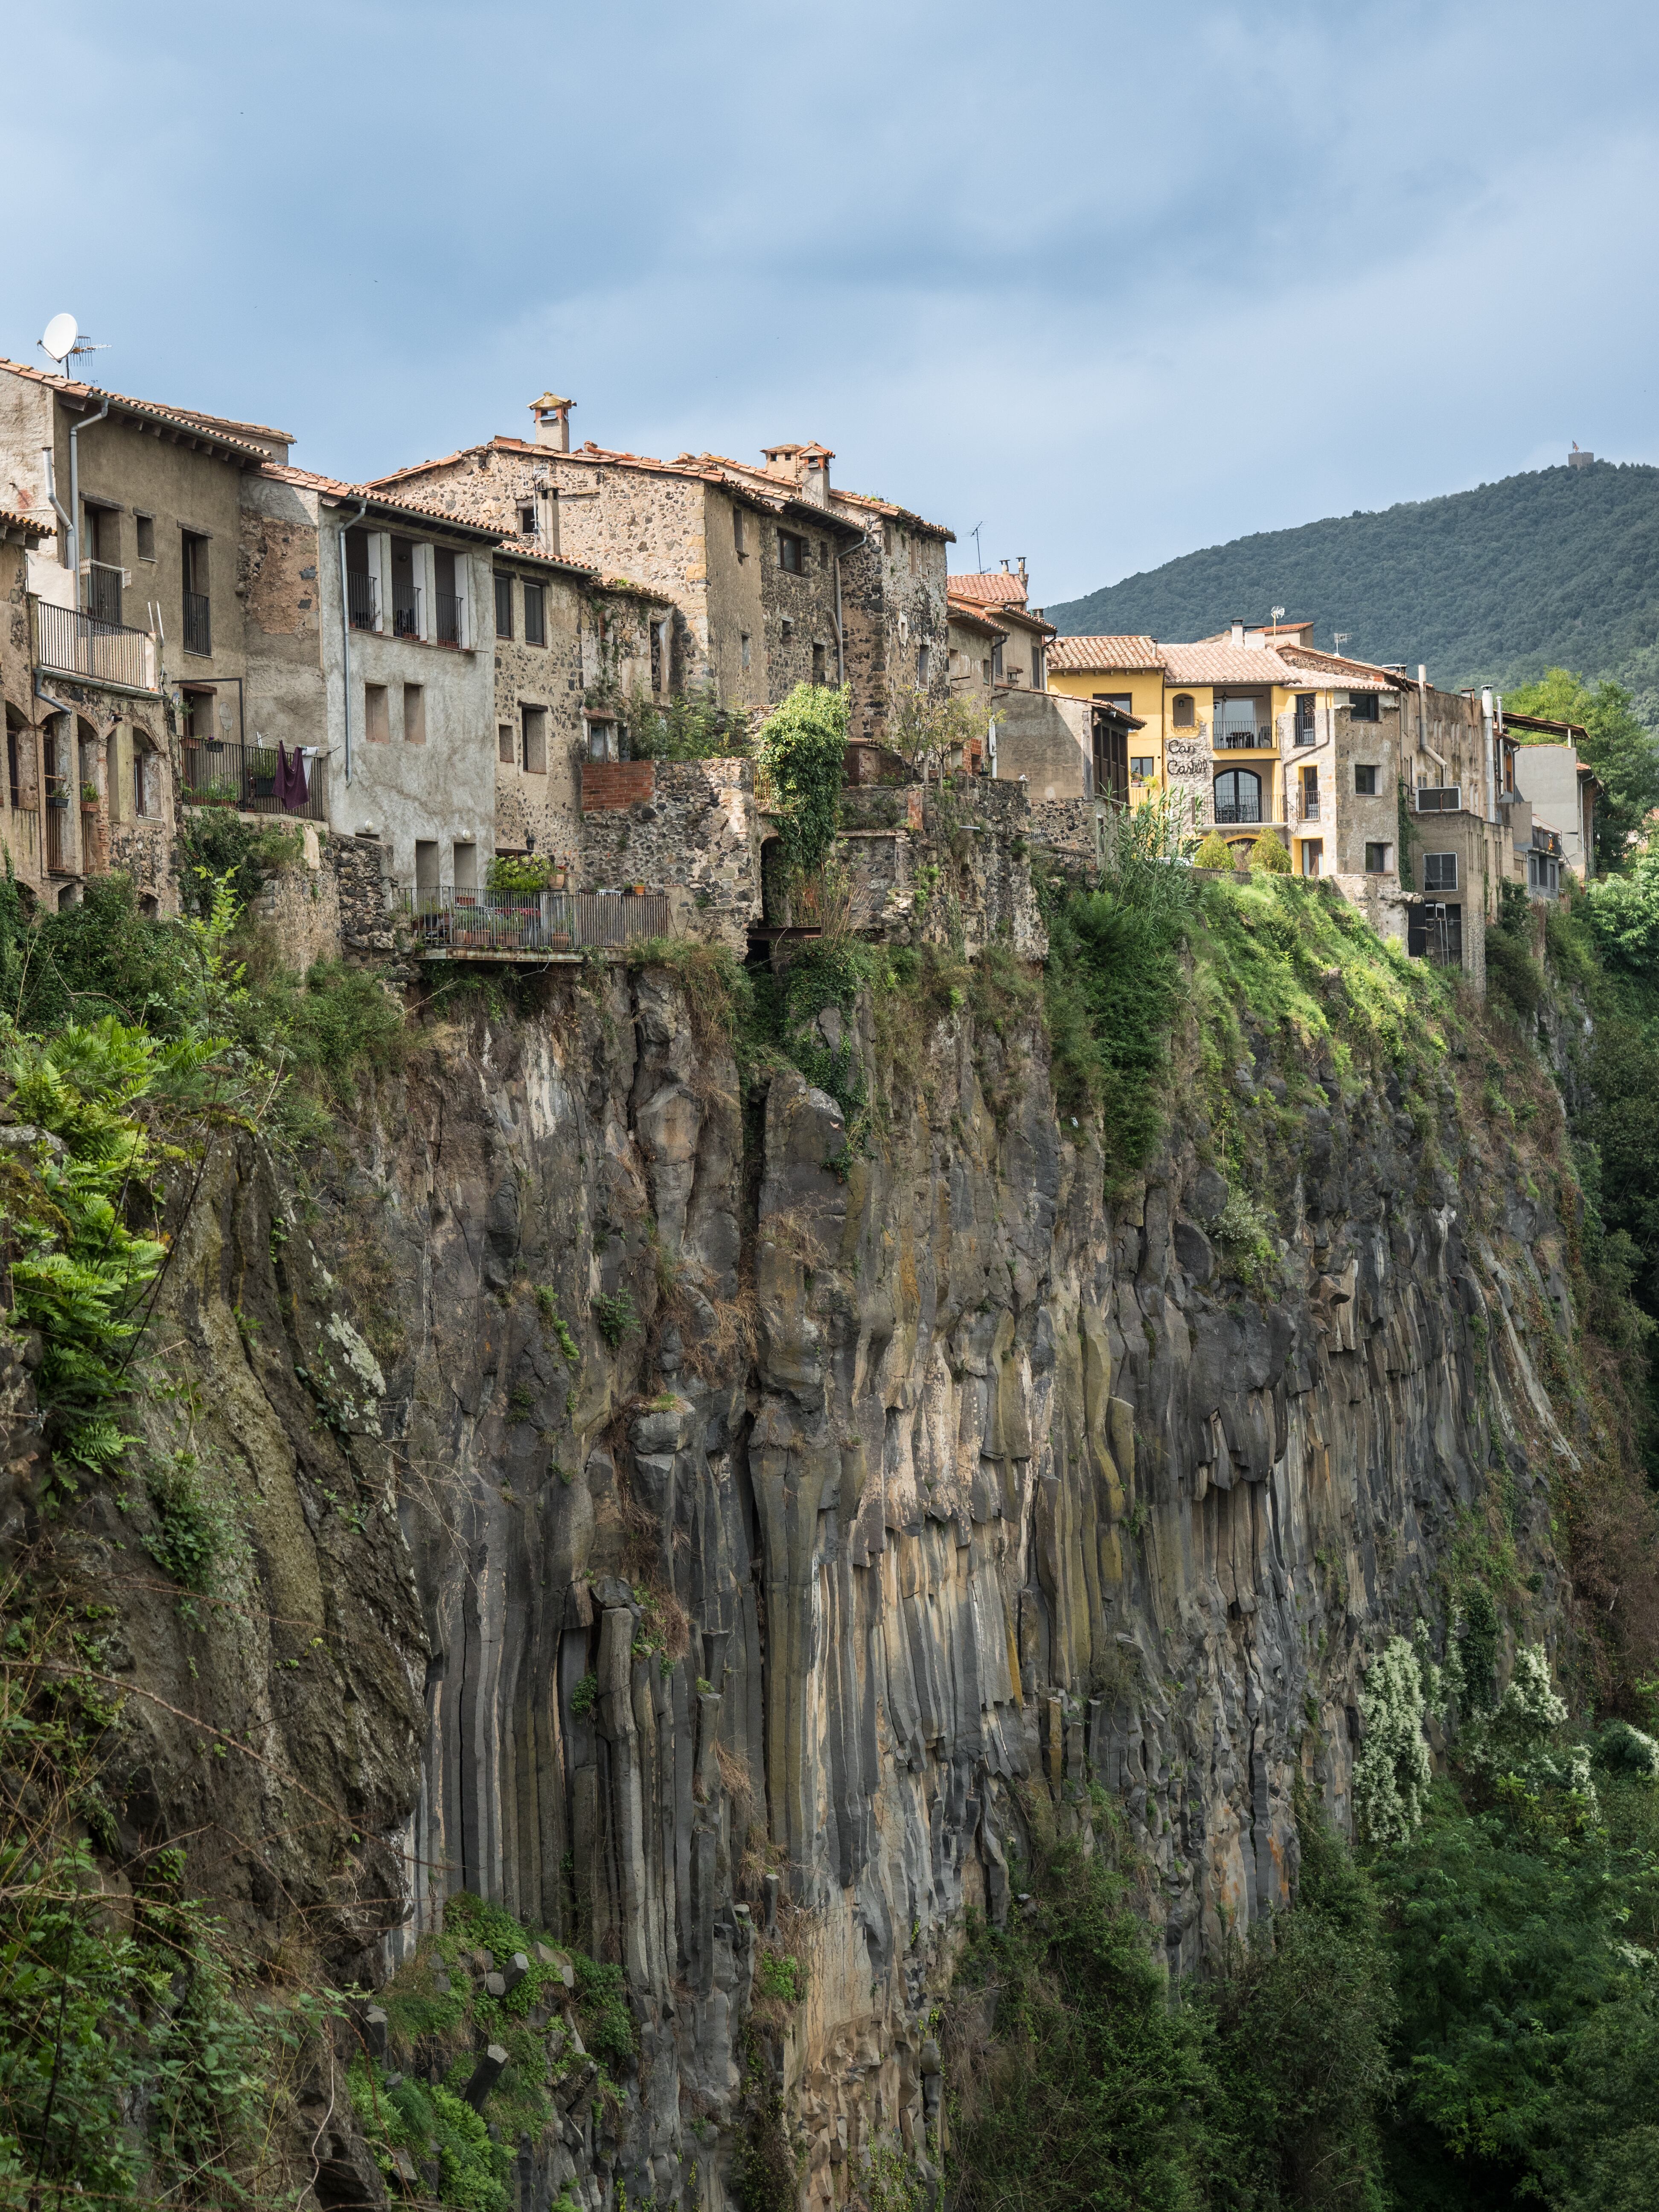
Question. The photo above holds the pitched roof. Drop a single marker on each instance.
(1345, 675)
(972, 617)
(988, 585)
(1564, 730)
(331, 488)
(1082, 656)
(1223, 664)
(205, 428)
(890, 512)
(14, 525)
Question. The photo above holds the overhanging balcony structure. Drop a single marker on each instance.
(538, 928)
(69, 643)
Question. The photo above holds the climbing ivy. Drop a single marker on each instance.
(803, 751)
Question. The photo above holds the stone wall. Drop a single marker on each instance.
(890, 608)
(693, 833)
(540, 802)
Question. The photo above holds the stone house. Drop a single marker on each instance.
(20, 788)
(1560, 788)
(371, 642)
(774, 577)
(571, 655)
(136, 626)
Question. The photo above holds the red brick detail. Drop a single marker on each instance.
(607, 784)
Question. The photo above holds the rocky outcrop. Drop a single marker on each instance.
(712, 1551)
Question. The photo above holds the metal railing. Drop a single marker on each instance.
(1310, 807)
(446, 617)
(360, 600)
(246, 777)
(72, 644)
(405, 610)
(1235, 738)
(551, 921)
(102, 592)
(198, 623)
(1245, 809)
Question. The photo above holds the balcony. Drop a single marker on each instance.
(1242, 810)
(199, 624)
(1245, 738)
(1311, 808)
(405, 610)
(447, 618)
(71, 644)
(462, 925)
(102, 592)
(244, 777)
(361, 600)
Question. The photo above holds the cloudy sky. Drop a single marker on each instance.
(1113, 282)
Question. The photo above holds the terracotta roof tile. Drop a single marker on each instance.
(987, 584)
(1223, 664)
(11, 520)
(203, 426)
(972, 617)
(1082, 655)
(333, 488)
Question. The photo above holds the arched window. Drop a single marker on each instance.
(1182, 716)
(1238, 795)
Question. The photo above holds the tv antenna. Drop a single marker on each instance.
(62, 340)
(1277, 613)
(1338, 638)
(974, 533)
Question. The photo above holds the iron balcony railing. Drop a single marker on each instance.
(1310, 808)
(1236, 737)
(447, 920)
(1243, 810)
(447, 616)
(198, 623)
(246, 777)
(102, 592)
(68, 643)
(405, 610)
(360, 600)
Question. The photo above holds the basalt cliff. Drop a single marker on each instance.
(713, 1541)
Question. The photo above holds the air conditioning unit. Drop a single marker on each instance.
(1439, 797)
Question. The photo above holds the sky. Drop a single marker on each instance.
(1113, 283)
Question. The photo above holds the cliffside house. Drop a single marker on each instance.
(137, 632)
(1562, 793)
(772, 576)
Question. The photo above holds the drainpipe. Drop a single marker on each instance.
(345, 634)
(75, 429)
(840, 642)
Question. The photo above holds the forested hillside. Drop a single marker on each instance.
(1557, 567)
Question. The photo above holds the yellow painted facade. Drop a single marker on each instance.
(1153, 699)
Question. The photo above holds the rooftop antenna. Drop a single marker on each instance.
(979, 563)
(1338, 639)
(62, 340)
(1277, 613)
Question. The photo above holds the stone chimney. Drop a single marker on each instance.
(551, 416)
(784, 461)
(814, 473)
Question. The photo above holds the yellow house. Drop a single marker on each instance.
(1240, 724)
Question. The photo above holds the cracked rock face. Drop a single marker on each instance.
(901, 1504)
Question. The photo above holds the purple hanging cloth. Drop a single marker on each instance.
(293, 788)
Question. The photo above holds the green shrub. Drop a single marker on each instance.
(520, 875)
(585, 1697)
(1110, 992)
(1268, 854)
(1214, 853)
(803, 751)
(214, 842)
(614, 1316)
(607, 2023)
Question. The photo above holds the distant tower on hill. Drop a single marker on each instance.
(1577, 460)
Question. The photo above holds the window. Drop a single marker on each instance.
(426, 864)
(1440, 871)
(1143, 766)
(659, 656)
(602, 743)
(146, 535)
(1365, 782)
(1238, 795)
(1036, 668)
(527, 518)
(985, 672)
(503, 606)
(786, 627)
(414, 714)
(504, 743)
(535, 615)
(1543, 873)
(1182, 716)
(146, 781)
(743, 649)
(818, 664)
(1377, 859)
(535, 740)
(1313, 855)
(1436, 934)
(823, 553)
(377, 715)
(1362, 706)
(996, 664)
(198, 627)
(923, 663)
(1439, 797)
(740, 533)
(791, 553)
(1310, 795)
(466, 867)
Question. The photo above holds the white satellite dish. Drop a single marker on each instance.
(60, 335)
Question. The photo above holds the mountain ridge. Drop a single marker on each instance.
(1554, 567)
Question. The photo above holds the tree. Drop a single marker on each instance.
(1624, 755)
(803, 753)
(931, 734)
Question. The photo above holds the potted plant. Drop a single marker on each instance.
(89, 798)
(262, 774)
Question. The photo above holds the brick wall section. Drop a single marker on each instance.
(609, 784)
(695, 835)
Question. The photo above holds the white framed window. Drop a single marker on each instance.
(1440, 871)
